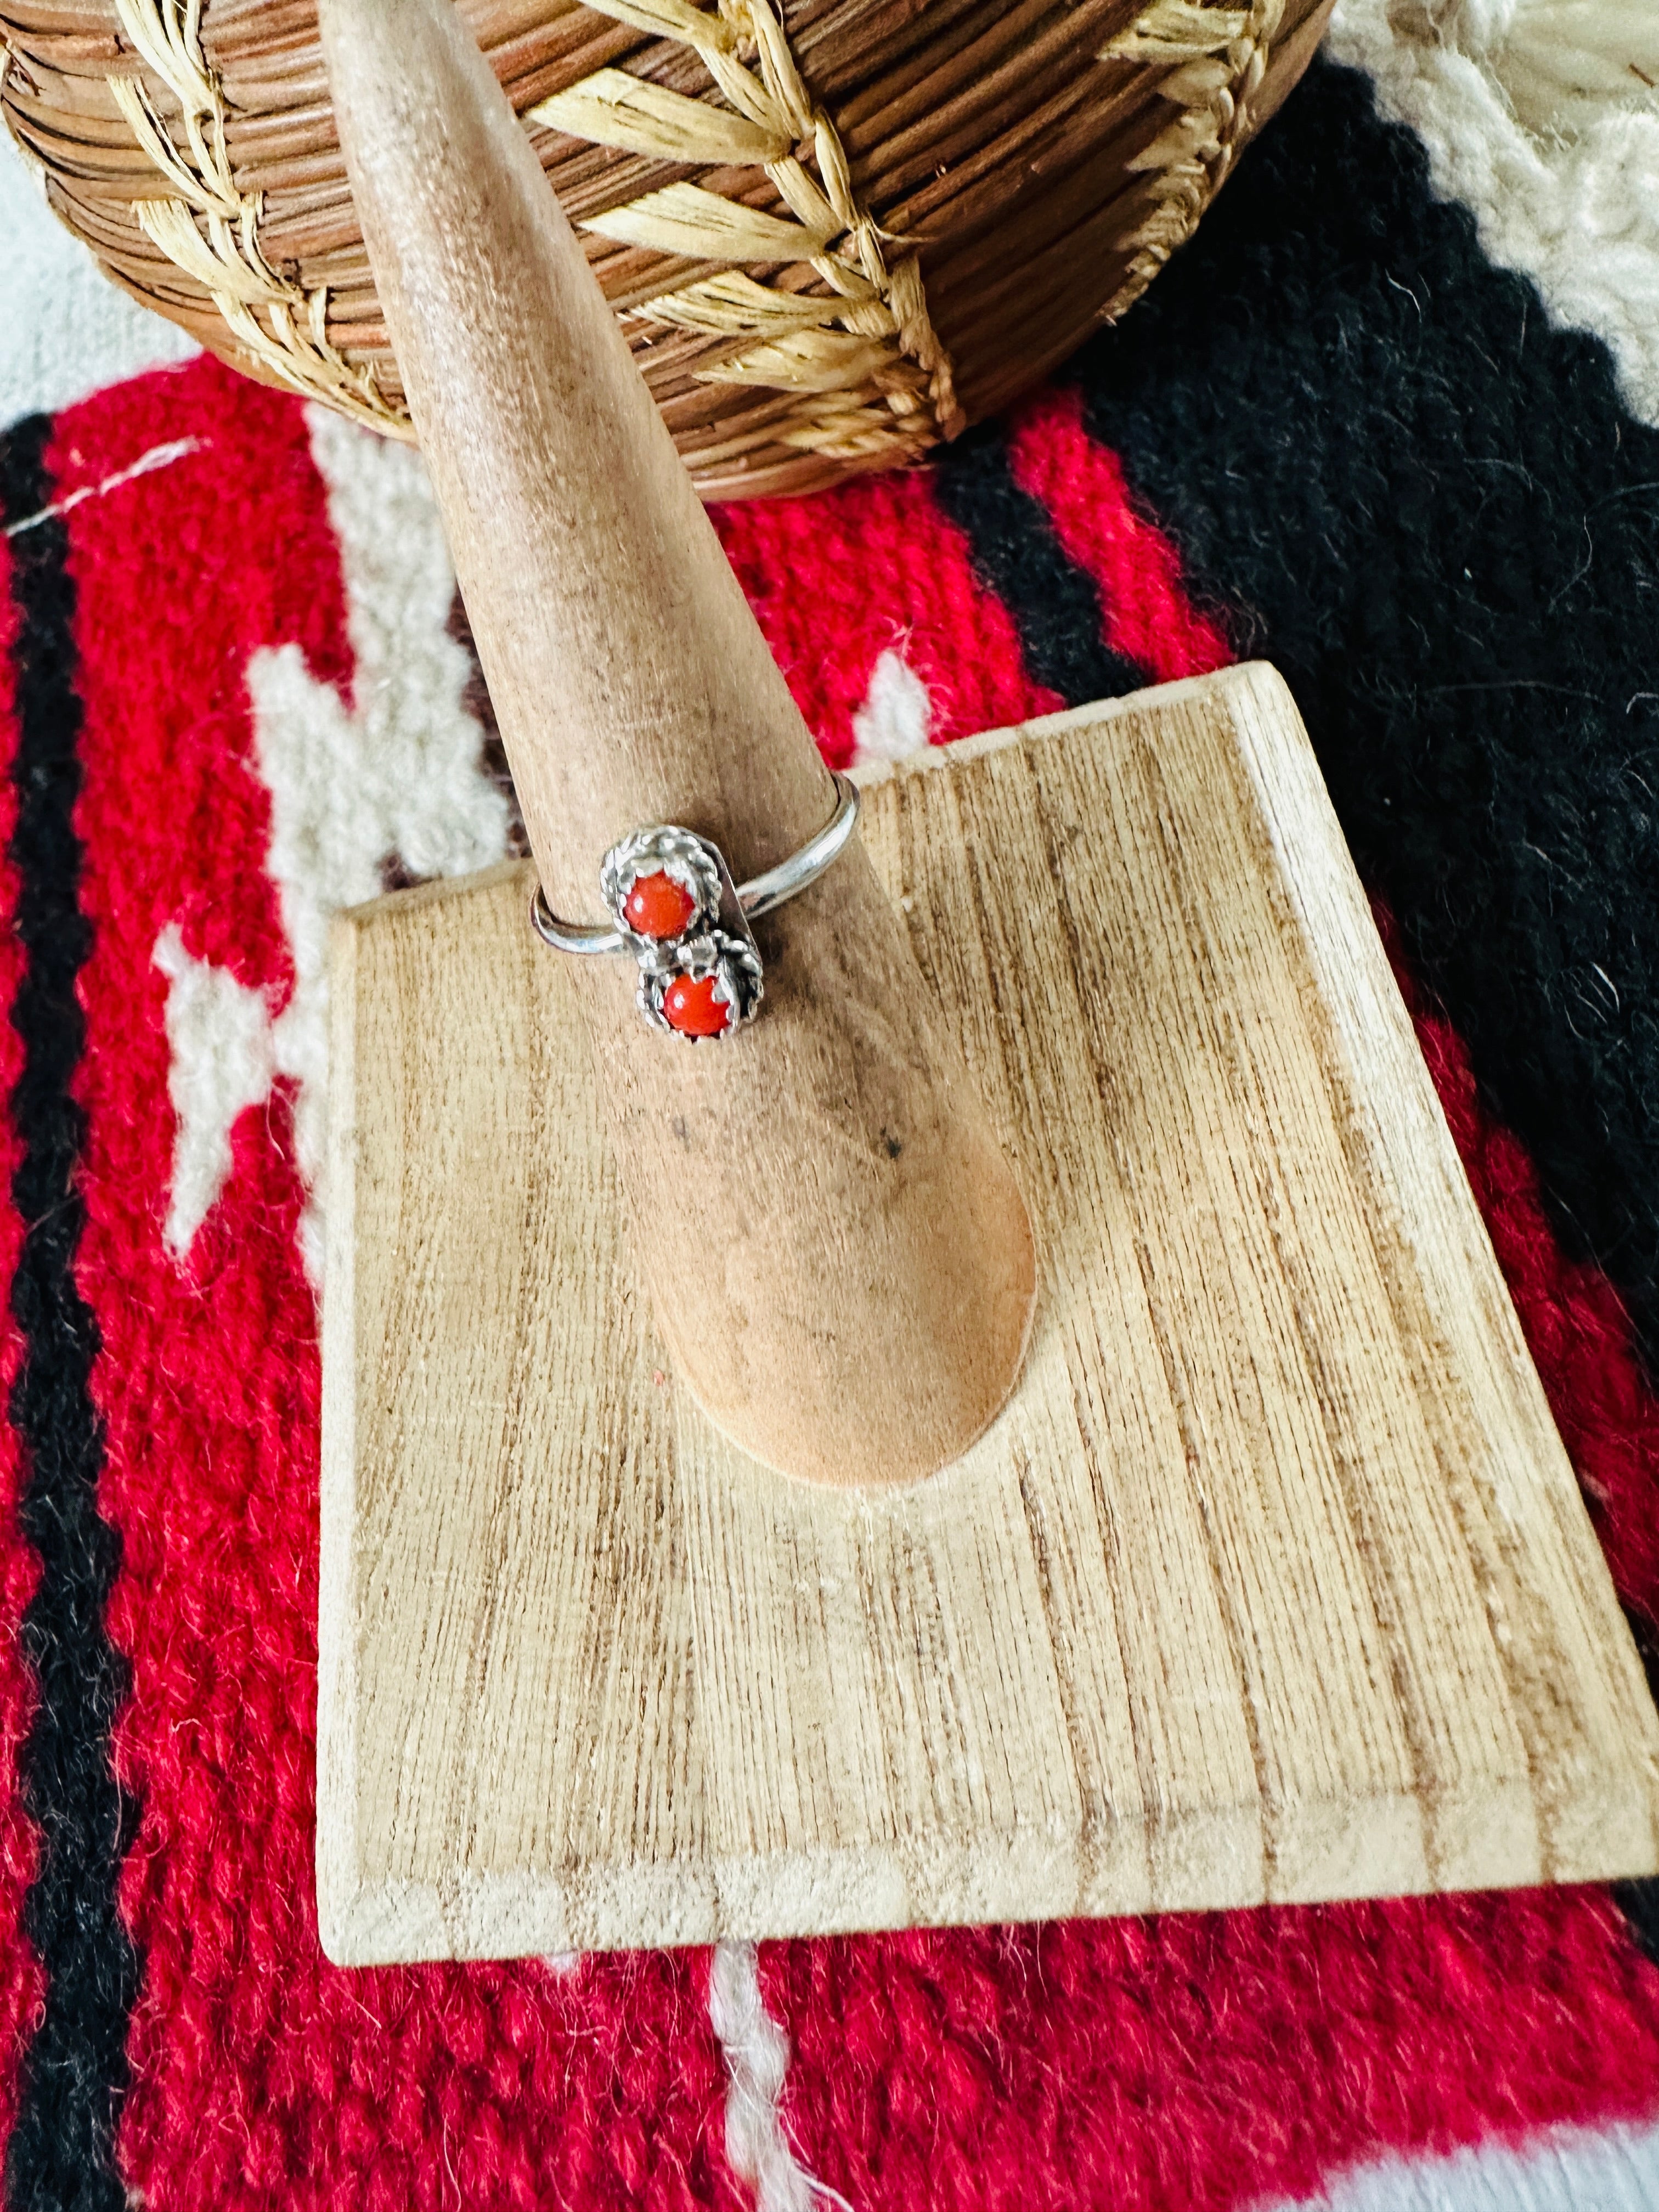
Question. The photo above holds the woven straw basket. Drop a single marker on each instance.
(835, 230)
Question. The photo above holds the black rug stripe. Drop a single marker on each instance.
(1428, 507)
(1016, 554)
(60, 2155)
(1640, 1903)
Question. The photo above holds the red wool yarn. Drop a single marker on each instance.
(21, 1983)
(1206, 2061)
(839, 579)
(261, 2076)
(1147, 616)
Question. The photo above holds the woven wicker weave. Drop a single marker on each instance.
(834, 230)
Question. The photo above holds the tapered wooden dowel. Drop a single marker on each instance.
(838, 1256)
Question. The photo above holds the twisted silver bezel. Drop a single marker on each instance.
(731, 960)
(678, 854)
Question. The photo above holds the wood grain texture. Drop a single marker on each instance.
(840, 1262)
(1271, 1581)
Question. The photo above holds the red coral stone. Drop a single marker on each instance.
(693, 1010)
(656, 906)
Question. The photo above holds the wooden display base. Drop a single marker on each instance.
(1272, 1581)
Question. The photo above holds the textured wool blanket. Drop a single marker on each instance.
(1388, 421)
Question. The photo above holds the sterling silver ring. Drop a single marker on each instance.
(676, 909)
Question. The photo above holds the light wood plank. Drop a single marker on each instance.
(1271, 1581)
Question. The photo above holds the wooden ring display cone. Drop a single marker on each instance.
(839, 1261)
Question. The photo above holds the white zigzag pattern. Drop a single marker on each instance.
(395, 773)
(221, 1062)
(1540, 116)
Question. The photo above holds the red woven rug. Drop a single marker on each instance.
(235, 693)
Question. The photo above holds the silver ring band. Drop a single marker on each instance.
(676, 909)
(759, 896)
